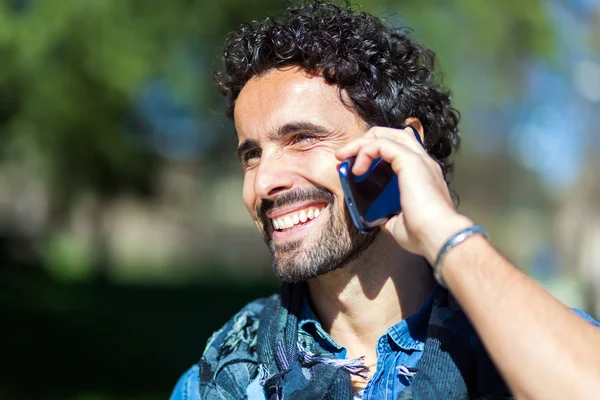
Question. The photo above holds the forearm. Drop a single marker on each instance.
(543, 349)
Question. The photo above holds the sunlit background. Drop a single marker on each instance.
(123, 239)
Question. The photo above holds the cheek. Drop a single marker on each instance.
(248, 194)
(323, 170)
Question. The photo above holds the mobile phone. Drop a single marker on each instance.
(374, 197)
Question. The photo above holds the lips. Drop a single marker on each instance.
(293, 210)
(299, 230)
(299, 216)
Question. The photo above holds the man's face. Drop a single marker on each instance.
(289, 126)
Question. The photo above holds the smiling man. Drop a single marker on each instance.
(289, 126)
(360, 315)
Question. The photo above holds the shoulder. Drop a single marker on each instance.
(233, 341)
(243, 325)
(187, 388)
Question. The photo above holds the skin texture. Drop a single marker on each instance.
(289, 164)
(384, 276)
(543, 349)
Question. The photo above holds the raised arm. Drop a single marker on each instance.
(543, 349)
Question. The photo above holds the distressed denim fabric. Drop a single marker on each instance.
(229, 362)
(188, 386)
(399, 350)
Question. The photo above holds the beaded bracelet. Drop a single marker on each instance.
(455, 240)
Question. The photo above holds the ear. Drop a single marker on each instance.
(416, 124)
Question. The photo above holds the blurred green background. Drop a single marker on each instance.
(123, 239)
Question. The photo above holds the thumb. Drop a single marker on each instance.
(396, 228)
(388, 227)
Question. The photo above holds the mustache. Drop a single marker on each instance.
(297, 196)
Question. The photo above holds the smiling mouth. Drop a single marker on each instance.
(289, 221)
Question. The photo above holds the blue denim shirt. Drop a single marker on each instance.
(398, 351)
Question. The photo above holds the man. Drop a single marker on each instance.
(360, 315)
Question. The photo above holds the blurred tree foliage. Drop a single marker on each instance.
(72, 72)
(97, 96)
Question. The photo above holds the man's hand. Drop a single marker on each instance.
(428, 216)
(542, 348)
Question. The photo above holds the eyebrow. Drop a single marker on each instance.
(245, 146)
(297, 127)
(284, 130)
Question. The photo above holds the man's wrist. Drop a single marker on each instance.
(456, 240)
(438, 236)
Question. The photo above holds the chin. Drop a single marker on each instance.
(304, 266)
(298, 276)
(333, 246)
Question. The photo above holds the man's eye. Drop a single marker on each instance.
(251, 157)
(303, 138)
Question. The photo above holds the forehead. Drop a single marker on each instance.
(278, 97)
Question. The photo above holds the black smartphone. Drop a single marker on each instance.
(374, 197)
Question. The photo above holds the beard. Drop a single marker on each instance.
(338, 243)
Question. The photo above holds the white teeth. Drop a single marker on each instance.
(294, 219)
(288, 222)
(303, 216)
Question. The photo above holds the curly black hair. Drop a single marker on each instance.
(386, 76)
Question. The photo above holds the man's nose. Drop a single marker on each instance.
(272, 177)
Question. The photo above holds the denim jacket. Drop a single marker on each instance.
(399, 351)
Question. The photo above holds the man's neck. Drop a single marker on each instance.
(358, 303)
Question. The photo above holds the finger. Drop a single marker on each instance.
(407, 136)
(368, 152)
(404, 136)
(390, 225)
(389, 150)
(395, 227)
(352, 148)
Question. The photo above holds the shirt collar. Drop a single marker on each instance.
(411, 332)
(408, 334)
(308, 322)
